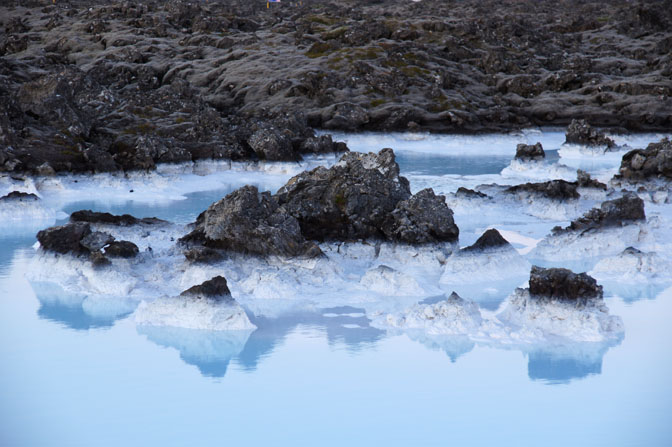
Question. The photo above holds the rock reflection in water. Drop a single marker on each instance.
(80, 312)
(562, 363)
(210, 351)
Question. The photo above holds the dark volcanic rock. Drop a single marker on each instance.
(122, 249)
(653, 162)
(351, 200)
(96, 240)
(559, 284)
(65, 239)
(215, 288)
(99, 260)
(554, 189)
(490, 240)
(580, 132)
(248, 222)
(321, 145)
(612, 213)
(466, 193)
(528, 152)
(203, 255)
(101, 86)
(424, 218)
(584, 180)
(18, 196)
(111, 219)
(271, 144)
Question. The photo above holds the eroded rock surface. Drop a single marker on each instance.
(553, 189)
(613, 213)
(95, 87)
(558, 284)
(530, 152)
(251, 222)
(580, 132)
(651, 163)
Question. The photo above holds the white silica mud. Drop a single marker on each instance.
(379, 308)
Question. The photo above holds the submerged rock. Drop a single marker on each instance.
(653, 162)
(580, 132)
(612, 213)
(530, 152)
(562, 284)
(553, 189)
(248, 222)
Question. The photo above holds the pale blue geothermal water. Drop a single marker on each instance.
(76, 370)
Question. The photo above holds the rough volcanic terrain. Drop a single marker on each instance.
(98, 86)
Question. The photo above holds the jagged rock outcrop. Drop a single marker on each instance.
(65, 238)
(558, 284)
(364, 197)
(580, 132)
(613, 213)
(208, 306)
(488, 241)
(18, 196)
(111, 219)
(216, 289)
(350, 200)
(361, 197)
(584, 180)
(530, 152)
(653, 162)
(249, 222)
(553, 189)
(423, 218)
(77, 238)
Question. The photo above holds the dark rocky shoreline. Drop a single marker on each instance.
(92, 87)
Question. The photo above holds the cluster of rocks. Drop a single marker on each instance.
(361, 197)
(97, 87)
(612, 213)
(79, 239)
(580, 132)
(654, 162)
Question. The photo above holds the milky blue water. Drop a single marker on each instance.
(70, 376)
